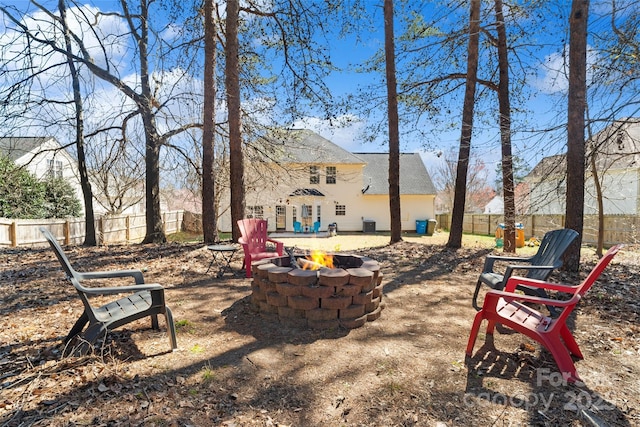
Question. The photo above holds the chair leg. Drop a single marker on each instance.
(247, 266)
(562, 357)
(474, 302)
(94, 331)
(491, 325)
(154, 322)
(77, 327)
(570, 342)
(473, 335)
(171, 328)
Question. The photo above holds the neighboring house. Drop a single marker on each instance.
(617, 162)
(312, 179)
(44, 157)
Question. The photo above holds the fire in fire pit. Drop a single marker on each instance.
(319, 290)
(315, 261)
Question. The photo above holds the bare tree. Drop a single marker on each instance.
(117, 179)
(575, 128)
(478, 192)
(144, 95)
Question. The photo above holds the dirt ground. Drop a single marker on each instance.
(238, 367)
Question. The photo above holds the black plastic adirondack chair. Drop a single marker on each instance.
(539, 266)
(142, 300)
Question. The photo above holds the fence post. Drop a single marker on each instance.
(13, 234)
(101, 231)
(128, 229)
(65, 231)
(533, 226)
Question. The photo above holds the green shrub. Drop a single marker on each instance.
(60, 199)
(23, 196)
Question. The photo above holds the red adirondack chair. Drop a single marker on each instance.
(254, 242)
(505, 307)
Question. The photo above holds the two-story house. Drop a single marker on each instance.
(614, 152)
(312, 179)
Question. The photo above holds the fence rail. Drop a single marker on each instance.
(132, 228)
(110, 229)
(617, 228)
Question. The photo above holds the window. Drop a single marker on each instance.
(307, 211)
(314, 175)
(295, 214)
(331, 174)
(341, 210)
(318, 211)
(255, 212)
(54, 168)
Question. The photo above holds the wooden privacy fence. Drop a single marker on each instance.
(110, 229)
(617, 228)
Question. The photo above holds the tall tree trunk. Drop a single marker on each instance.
(87, 193)
(457, 215)
(394, 134)
(505, 134)
(575, 128)
(232, 83)
(209, 217)
(155, 228)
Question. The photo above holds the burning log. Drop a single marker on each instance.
(306, 264)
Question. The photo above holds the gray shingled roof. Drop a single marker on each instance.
(305, 146)
(549, 166)
(414, 178)
(19, 146)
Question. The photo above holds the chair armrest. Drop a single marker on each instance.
(279, 245)
(511, 296)
(122, 289)
(490, 260)
(515, 281)
(136, 274)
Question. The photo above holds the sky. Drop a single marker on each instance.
(545, 79)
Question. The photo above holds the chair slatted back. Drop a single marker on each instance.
(57, 249)
(553, 246)
(597, 270)
(254, 233)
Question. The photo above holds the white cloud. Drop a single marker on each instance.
(344, 130)
(553, 75)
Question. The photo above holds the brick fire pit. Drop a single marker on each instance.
(348, 295)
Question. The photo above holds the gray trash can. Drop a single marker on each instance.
(431, 227)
